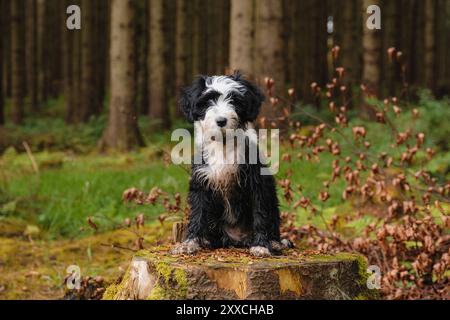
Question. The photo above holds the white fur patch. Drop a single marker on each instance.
(224, 85)
(259, 251)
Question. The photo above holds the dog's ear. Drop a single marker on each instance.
(254, 98)
(189, 97)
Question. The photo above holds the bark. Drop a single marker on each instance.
(89, 100)
(122, 132)
(269, 48)
(141, 40)
(199, 39)
(102, 56)
(392, 27)
(429, 44)
(67, 47)
(18, 59)
(241, 36)
(31, 55)
(212, 36)
(233, 274)
(2, 93)
(299, 46)
(158, 105)
(183, 53)
(6, 42)
(74, 112)
(42, 51)
(349, 52)
(224, 10)
(52, 44)
(371, 44)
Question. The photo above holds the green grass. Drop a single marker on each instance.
(61, 198)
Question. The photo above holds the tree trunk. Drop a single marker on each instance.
(31, 53)
(234, 274)
(6, 44)
(42, 51)
(391, 39)
(52, 44)
(224, 10)
(183, 48)
(74, 58)
(199, 39)
(269, 48)
(241, 36)
(102, 56)
(2, 93)
(88, 63)
(158, 108)
(349, 52)
(67, 51)
(142, 42)
(429, 44)
(18, 59)
(371, 44)
(122, 132)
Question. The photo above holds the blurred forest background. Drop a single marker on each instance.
(162, 45)
(86, 114)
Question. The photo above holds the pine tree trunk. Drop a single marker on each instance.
(224, 10)
(6, 38)
(74, 113)
(158, 106)
(42, 51)
(142, 42)
(67, 47)
(2, 93)
(18, 59)
(299, 44)
(349, 52)
(31, 53)
(183, 47)
(88, 63)
(199, 39)
(371, 44)
(391, 39)
(52, 44)
(102, 56)
(122, 132)
(429, 44)
(269, 48)
(241, 36)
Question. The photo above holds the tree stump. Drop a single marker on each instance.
(234, 274)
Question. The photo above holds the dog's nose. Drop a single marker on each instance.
(221, 121)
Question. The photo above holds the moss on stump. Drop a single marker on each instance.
(234, 274)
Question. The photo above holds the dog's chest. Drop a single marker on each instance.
(221, 166)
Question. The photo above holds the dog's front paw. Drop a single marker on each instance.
(259, 251)
(187, 247)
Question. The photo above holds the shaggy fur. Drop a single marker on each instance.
(232, 204)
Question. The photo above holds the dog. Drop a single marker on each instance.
(232, 203)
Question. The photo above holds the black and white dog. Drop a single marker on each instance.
(232, 203)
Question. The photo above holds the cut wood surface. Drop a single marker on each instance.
(235, 274)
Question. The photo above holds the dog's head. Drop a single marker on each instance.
(221, 102)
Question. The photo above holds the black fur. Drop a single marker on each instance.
(252, 198)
